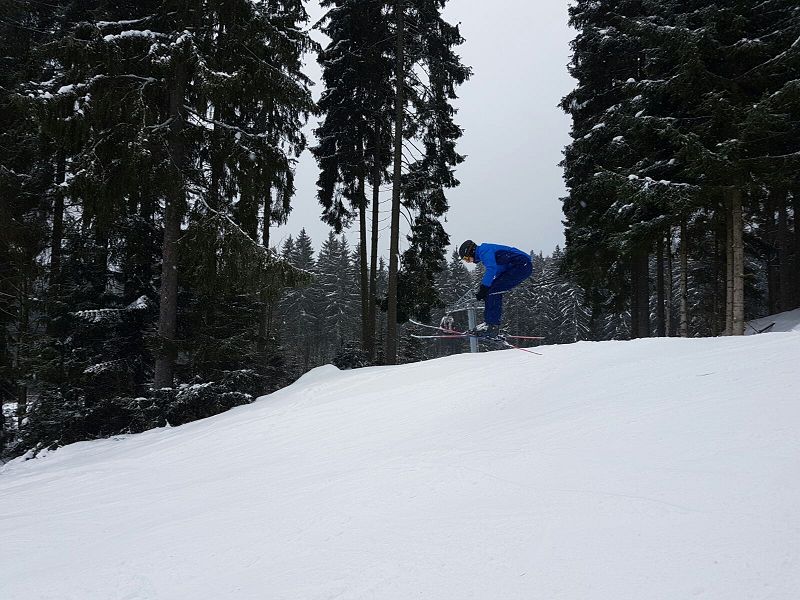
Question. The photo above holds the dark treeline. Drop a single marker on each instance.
(683, 169)
(148, 148)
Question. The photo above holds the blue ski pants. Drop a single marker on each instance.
(516, 272)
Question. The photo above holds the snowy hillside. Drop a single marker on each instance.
(661, 469)
(785, 321)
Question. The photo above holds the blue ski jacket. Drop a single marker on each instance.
(497, 259)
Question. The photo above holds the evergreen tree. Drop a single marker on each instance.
(336, 294)
(682, 114)
(572, 313)
(196, 103)
(602, 250)
(149, 132)
(353, 139)
(299, 307)
(427, 71)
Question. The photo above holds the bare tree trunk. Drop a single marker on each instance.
(214, 200)
(373, 265)
(640, 295)
(728, 268)
(718, 321)
(737, 230)
(684, 291)
(668, 307)
(58, 220)
(264, 295)
(394, 245)
(661, 315)
(168, 294)
(634, 300)
(770, 239)
(785, 275)
(644, 294)
(362, 253)
(796, 269)
(24, 325)
(56, 239)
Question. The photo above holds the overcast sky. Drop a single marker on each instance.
(514, 132)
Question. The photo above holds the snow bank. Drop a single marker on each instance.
(659, 469)
(785, 321)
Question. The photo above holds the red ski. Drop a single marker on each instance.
(467, 334)
(452, 334)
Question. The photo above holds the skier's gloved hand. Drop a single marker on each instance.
(483, 291)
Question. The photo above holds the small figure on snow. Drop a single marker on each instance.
(506, 267)
(447, 323)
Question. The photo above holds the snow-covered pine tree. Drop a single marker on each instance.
(607, 246)
(455, 286)
(427, 72)
(459, 281)
(732, 63)
(423, 261)
(299, 308)
(571, 315)
(351, 353)
(525, 307)
(26, 175)
(353, 139)
(354, 296)
(771, 140)
(214, 89)
(253, 125)
(702, 109)
(338, 297)
(436, 71)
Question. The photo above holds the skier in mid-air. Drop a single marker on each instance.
(506, 267)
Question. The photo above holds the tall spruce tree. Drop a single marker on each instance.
(606, 247)
(353, 138)
(682, 114)
(300, 307)
(24, 180)
(217, 91)
(427, 72)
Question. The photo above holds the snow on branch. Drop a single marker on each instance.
(774, 59)
(266, 253)
(207, 121)
(121, 23)
(105, 315)
(105, 366)
(133, 33)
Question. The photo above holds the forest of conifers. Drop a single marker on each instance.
(685, 153)
(148, 148)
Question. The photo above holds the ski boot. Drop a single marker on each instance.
(489, 331)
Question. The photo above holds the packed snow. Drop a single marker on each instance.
(785, 321)
(658, 469)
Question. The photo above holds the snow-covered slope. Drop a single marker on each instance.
(785, 321)
(656, 469)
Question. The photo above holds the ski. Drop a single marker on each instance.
(464, 333)
(503, 343)
(451, 334)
